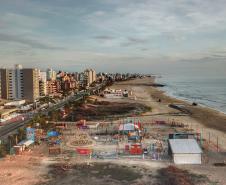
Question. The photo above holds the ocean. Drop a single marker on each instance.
(207, 91)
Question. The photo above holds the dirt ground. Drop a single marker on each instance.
(102, 173)
(25, 169)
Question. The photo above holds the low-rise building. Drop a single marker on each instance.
(15, 103)
(51, 87)
(185, 151)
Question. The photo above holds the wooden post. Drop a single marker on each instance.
(217, 145)
(16, 140)
(201, 137)
(209, 137)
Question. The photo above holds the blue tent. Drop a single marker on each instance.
(52, 134)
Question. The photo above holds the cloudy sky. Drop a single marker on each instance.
(157, 36)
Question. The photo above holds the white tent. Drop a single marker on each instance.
(26, 143)
(185, 151)
(128, 127)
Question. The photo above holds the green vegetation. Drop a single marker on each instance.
(148, 109)
(47, 99)
(103, 109)
(3, 150)
(21, 134)
(66, 93)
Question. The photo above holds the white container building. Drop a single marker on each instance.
(185, 151)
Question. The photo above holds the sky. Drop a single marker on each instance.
(147, 36)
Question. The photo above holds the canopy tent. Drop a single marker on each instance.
(26, 143)
(52, 134)
(128, 127)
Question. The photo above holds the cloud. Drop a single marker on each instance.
(99, 13)
(131, 41)
(219, 56)
(33, 43)
(111, 30)
(104, 37)
(18, 23)
(157, 17)
(144, 49)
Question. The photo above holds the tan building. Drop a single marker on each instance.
(19, 83)
(94, 76)
(90, 76)
(42, 88)
(30, 84)
(42, 83)
(51, 87)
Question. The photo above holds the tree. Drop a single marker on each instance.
(3, 150)
(21, 134)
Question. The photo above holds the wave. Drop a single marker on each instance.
(204, 91)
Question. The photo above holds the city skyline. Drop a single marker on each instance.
(137, 36)
(30, 84)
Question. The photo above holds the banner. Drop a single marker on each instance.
(83, 151)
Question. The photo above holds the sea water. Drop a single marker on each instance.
(205, 90)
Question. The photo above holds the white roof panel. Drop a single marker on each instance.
(184, 146)
(26, 142)
(128, 127)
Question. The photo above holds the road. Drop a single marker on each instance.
(9, 128)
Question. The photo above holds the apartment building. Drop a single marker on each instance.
(11, 87)
(19, 83)
(51, 74)
(30, 84)
(42, 83)
(90, 76)
(51, 87)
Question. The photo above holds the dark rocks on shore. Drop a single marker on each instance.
(194, 104)
(157, 85)
(181, 108)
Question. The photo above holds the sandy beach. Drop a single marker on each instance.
(211, 123)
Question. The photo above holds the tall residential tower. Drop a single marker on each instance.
(19, 83)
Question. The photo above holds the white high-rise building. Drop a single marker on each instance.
(94, 76)
(90, 76)
(51, 74)
(43, 76)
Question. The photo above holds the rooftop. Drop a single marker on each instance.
(185, 146)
